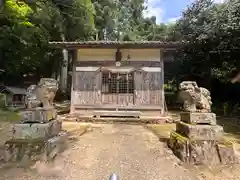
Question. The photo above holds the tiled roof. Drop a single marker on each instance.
(15, 90)
(116, 44)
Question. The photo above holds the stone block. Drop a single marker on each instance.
(23, 150)
(226, 153)
(36, 130)
(198, 152)
(179, 146)
(26, 151)
(198, 118)
(204, 152)
(54, 146)
(39, 114)
(200, 132)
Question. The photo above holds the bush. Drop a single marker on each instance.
(60, 96)
(2, 101)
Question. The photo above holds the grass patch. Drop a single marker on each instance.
(231, 128)
(9, 116)
(76, 130)
(162, 130)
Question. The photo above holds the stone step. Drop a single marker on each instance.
(198, 118)
(33, 131)
(141, 120)
(117, 113)
(200, 132)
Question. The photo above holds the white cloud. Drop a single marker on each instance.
(219, 1)
(172, 20)
(153, 9)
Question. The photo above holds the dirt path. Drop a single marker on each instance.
(131, 151)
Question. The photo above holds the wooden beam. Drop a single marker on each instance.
(162, 83)
(74, 59)
(134, 64)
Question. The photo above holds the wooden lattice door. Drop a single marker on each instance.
(118, 88)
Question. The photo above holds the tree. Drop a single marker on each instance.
(27, 27)
(212, 32)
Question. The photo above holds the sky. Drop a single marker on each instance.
(167, 10)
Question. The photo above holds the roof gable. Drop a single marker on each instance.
(14, 90)
(116, 44)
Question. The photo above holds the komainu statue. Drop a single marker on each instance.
(42, 94)
(195, 99)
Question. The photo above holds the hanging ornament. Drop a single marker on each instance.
(118, 63)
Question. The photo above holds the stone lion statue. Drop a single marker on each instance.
(195, 99)
(42, 94)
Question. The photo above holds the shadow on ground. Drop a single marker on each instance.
(231, 127)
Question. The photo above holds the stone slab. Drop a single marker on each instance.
(54, 146)
(202, 152)
(117, 113)
(25, 151)
(36, 130)
(179, 146)
(17, 150)
(39, 114)
(227, 153)
(200, 132)
(198, 118)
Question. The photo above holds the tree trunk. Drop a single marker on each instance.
(64, 69)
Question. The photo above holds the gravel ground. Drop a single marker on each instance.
(129, 150)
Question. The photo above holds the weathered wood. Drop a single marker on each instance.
(116, 106)
(147, 79)
(87, 88)
(117, 113)
(135, 64)
(162, 82)
(117, 45)
(148, 88)
(74, 59)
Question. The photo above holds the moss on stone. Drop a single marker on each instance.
(178, 137)
(225, 142)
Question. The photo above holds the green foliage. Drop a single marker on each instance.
(212, 30)
(2, 101)
(26, 29)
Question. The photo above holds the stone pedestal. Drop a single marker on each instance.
(198, 140)
(198, 118)
(200, 132)
(38, 136)
(24, 150)
(34, 131)
(38, 115)
(202, 152)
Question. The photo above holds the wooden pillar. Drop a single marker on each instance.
(162, 81)
(74, 59)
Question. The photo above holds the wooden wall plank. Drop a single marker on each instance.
(148, 85)
(148, 88)
(87, 88)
